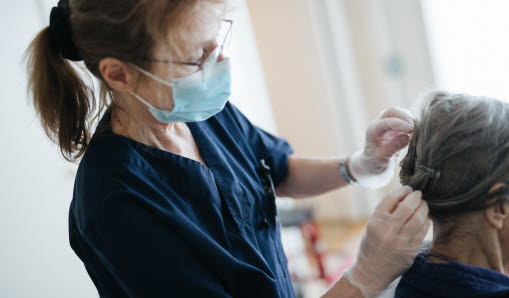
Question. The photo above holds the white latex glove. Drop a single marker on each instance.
(391, 242)
(373, 166)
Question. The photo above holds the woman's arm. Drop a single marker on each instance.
(309, 177)
(371, 167)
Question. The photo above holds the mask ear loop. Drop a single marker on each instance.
(142, 100)
(152, 76)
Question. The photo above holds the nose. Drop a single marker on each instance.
(221, 57)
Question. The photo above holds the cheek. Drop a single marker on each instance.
(163, 97)
(157, 94)
(180, 72)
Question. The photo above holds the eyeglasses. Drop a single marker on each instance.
(224, 36)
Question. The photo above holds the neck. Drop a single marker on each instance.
(141, 126)
(480, 249)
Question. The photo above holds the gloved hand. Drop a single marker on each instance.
(373, 166)
(391, 242)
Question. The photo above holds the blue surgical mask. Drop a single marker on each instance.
(196, 97)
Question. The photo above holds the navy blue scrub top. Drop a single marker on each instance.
(445, 280)
(149, 223)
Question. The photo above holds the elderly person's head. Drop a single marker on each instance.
(459, 159)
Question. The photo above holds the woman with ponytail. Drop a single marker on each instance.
(175, 190)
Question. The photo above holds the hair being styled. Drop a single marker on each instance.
(458, 151)
(123, 29)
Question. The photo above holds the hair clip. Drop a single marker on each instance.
(431, 173)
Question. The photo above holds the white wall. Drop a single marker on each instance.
(36, 183)
(469, 45)
(391, 50)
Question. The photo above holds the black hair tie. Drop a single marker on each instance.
(60, 28)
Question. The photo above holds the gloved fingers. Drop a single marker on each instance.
(379, 128)
(419, 236)
(407, 208)
(390, 202)
(394, 146)
(418, 219)
(397, 112)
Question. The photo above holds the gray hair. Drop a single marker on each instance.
(458, 151)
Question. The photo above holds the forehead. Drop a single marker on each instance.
(197, 26)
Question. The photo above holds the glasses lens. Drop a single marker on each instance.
(223, 41)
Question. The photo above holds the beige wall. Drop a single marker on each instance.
(310, 107)
(295, 85)
(305, 113)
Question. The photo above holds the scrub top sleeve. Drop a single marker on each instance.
(144, 254)
(274, 150)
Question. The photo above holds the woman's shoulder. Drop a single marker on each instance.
(107, 164)
(108, 151)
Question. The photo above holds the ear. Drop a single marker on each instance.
(498, 212)
(118, 74)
